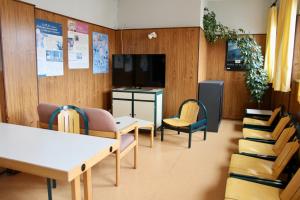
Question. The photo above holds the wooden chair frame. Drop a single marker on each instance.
(197, 126)
(119, 154)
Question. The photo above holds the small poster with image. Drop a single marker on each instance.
(100, 53)
(49, 45)
(78, 45)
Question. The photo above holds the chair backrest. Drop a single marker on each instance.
(283, 139)
(189, 110)
(69, 120)
(101, 123)
(284, 157)
(292, 190)
(280, 126)
(45, 111)
(275, 113)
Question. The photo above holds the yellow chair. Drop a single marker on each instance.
(262, 189)
(251, 166)
(265, 135)
(65, 119)
(248, 147)
(187, 119)
(259, 122)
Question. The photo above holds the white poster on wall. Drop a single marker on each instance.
(78, 45)
(49, 45)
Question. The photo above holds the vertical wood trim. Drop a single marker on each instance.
(19, 62)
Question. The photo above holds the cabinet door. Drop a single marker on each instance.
(144, 110)
(122, 108)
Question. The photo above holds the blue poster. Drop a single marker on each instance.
(100, 53)
(49, 45)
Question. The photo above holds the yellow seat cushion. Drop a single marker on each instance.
(246, 190)
(252, 133)
(246, 146)
(258, 122)
(246, 165)
(176, 122)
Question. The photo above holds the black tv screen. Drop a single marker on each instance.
(234, 60)
(139, 70)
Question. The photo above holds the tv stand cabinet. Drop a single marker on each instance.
(146, 104)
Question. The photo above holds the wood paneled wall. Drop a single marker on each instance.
(236, 95)
(202, 64)
(78, 87)
(19, 61)
(181, 48)
(2, 92)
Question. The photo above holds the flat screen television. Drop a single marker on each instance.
(234, 60)
(139, 70)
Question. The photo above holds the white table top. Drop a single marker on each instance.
(49, 149)
(258, 112)
(126, 121)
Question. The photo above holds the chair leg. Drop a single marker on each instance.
(49, 188)
(205, 130)
(178, 132)
(190, 140)
(162, 133)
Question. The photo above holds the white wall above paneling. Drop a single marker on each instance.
(158, 13)
(100, 12)
(250, 15)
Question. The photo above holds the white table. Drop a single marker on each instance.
(52, 154)
(126, 121)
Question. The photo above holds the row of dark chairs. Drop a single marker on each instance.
(266, 166)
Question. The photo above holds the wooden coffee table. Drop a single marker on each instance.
(141, 124)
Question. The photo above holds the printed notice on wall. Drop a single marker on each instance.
(78, 45)
(49, 43)
(100, 53)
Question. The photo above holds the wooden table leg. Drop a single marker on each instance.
(136, 133)
(75, 184)
(151, 136)
(118, 167)
(87, 181)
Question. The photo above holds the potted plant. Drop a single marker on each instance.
(256, 76)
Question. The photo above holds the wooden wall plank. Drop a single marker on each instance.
(202, 63)
(2, 90)
(19, 61)
(236, 95)
(181, 48)
(78, 87)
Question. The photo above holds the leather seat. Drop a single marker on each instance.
(176, 122)
(258, 122)
(253, 147)
(245, 165)
(259, 134)
(245, 190)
